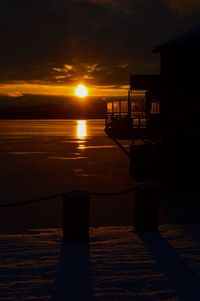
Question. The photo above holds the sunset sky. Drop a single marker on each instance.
(49, 46)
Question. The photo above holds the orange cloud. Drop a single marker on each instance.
(18, 89)
(68, 67)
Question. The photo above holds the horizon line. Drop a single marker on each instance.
(20, 89)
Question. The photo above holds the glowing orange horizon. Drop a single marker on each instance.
(18, 89)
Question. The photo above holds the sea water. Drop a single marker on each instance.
(46, 157)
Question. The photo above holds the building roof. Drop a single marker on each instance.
(145, 82)
(191, 35)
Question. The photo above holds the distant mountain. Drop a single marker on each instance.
(44, 106)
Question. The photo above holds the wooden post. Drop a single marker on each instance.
(130, 121)
(76, 216)
(146, 215)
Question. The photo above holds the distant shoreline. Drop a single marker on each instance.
(40, 107)
(52, 118)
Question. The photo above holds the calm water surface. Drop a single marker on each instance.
(51, 128)
(44, 157)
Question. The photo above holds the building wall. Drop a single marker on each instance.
(180, 82)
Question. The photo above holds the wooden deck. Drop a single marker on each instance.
(136, 134)
(134, 127)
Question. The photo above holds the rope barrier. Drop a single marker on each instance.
(32, 201)
(110, 193)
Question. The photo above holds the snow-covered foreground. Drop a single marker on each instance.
(117, 264)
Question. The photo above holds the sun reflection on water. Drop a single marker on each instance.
(81, 129)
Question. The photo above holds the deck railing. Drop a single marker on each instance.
(137, 121)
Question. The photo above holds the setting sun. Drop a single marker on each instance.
(81, 91)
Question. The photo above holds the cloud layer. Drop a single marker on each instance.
(40, 40)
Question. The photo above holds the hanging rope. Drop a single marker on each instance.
(32, 201)
(110, 193)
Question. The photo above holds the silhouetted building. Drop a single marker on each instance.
(162, 111)
(150, 86)
(137, 116)
(179, 68)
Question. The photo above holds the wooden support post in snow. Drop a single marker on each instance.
(146, 215)
(76, 216)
